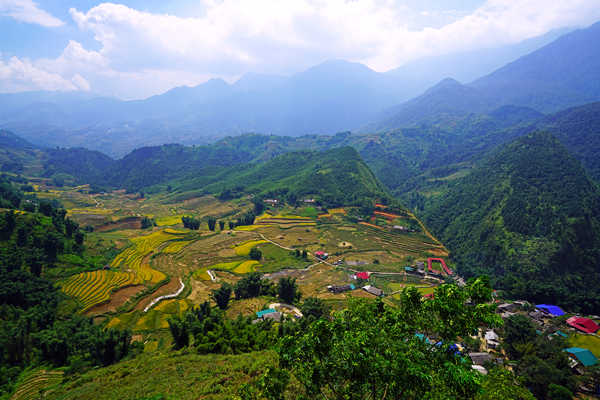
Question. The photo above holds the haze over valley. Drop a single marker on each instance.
(282, 200)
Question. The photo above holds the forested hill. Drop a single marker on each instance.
(578, 128)
(335, 177)
(529, 216)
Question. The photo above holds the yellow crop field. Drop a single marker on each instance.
(246, 266)
(262, 216)
(244, 248)
(157, 317)
(337, 211)
(133, 257)
(168, 220)
(201, 274)
(248, 228)
(91, 210)
(176, 247)
(174, 231)
(95, 287)
(288, 216)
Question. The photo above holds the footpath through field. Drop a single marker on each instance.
(166, 296)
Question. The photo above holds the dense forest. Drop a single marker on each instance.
(34, 329)
(528, 216)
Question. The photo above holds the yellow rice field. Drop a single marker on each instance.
(168, 220)
(246, 266)
(244, 248)
(133, 257)
(176, 247)
(95, 287)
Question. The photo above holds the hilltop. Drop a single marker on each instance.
(527, 215)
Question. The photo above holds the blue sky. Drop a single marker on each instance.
(134, 49)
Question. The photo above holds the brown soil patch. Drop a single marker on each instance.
(125, 223)
(438, 252)
(169, 288)
(117, 299)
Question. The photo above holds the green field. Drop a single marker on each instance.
(592, 343)
(174, 376)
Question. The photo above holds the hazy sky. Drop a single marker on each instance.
(134, 49)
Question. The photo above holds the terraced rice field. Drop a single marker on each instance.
(283, 221)
(36, 384)
(168, 220)
(244, 248)
(246, 266)
(133, 257)
(407, 243)
(158, 316)
(95, 287)
(176, 247)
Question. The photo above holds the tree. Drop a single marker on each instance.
(518, 331)
(179, 332)
(147, 222)
(501, 384)
(558, 392)
(222, 295)
(314, 308)
(231, 224)
(255, 254)
(288, 290)
(221, 225)
(370, 350)
(212, 222)
(248, 287)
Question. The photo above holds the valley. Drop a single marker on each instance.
(158, 260)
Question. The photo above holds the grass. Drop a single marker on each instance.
(244, 248)
(95, 287)
(276, 258)
(174, 375)
(592, 343)
(37, 384)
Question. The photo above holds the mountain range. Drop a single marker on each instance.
(331, 97)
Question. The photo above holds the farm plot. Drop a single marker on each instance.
(284, 221)
(95, 287)
(244, 248)
(134, 257)
(157, 317)
(416, 244)
(37, 385)
(168, 220)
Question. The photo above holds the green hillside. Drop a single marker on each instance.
(528, 215)
(335, 177)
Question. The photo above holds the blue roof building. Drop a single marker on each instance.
(555, 311)
(584, 356)
(262, 313)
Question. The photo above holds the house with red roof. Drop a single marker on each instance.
(362, 275)
(583, 324)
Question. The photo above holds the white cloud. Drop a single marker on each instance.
(28, 11)
(283, 35)
(18, 75)
(144, 53)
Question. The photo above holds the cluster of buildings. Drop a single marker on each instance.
(544, 318)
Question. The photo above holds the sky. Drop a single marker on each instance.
(135, 49)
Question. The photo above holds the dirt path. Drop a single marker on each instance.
(212, 276)
(167, 288)
(166, 296)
